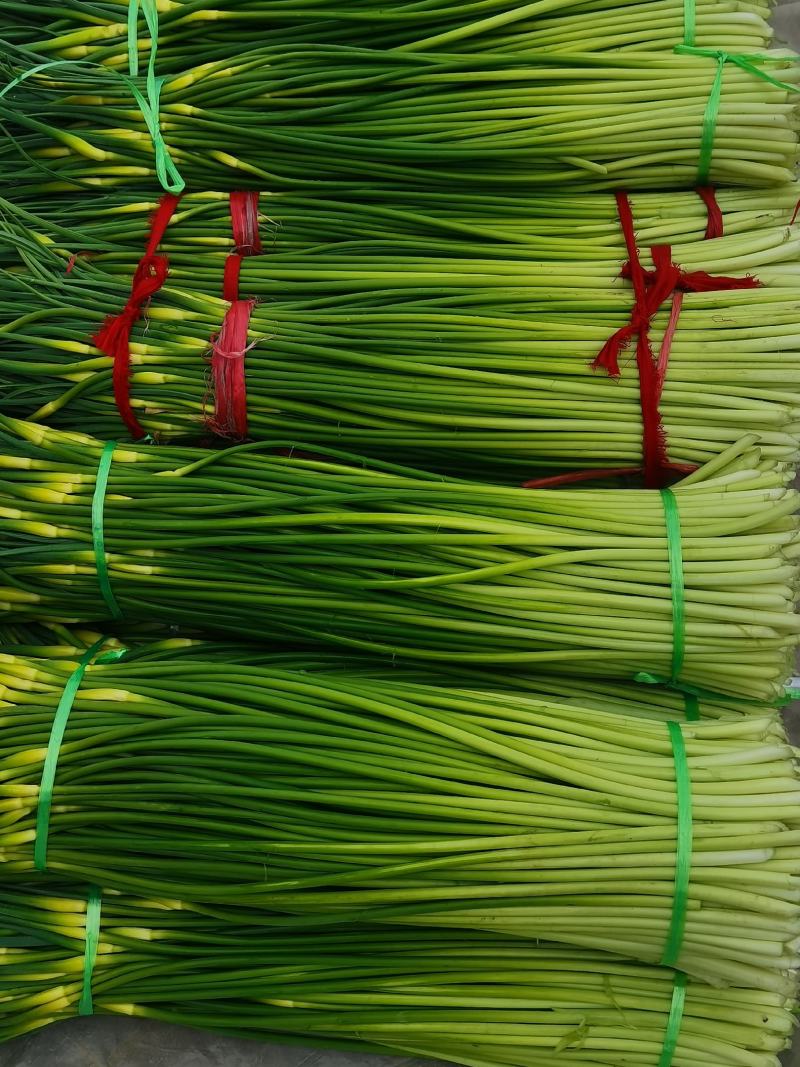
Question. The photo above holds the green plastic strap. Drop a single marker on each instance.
(674, 1020)
(673, 523)
(689, 23)
(166, 171)
(98, 531)
(60, 718)
(748, 63)
(683, 849)
(691, 706)
(93, 906)
(693, 694)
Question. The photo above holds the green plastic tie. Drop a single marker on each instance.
(673, 1030)
(98, 531)
(692, 706)
(92, 938)
(683, 849)
(689, 31)
(166, 171)
(748, 63)
(60, 719)
(673, 524)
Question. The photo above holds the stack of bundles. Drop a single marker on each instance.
(257, 541)
(465, 996)
(331, 117)
(188, 30)
(357, 247)
(470, 341)
(343, 796)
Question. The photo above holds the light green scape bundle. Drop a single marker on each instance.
(467, 997)
(456, 336)
(695, 585)
(327, 117)
(190, 31)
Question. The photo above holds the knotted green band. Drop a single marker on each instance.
(149, 105)
(749, 63)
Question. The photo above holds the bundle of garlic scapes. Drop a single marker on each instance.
(328, 117)
(466, 996)
(460, 352)
(388, 559)
(97, 30)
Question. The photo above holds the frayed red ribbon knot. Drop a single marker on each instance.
(694, 281)
(651, 289)
(114, 337)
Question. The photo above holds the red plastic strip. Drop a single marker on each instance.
(648, 299)
(230, 283)
(244, 222)
(228, 349)
(159, 221)
(694, 281)
(666, 341)
(113, 338)
(715, 226)
(651, 289)
(793, 219)
(73, 259)
(555, 481)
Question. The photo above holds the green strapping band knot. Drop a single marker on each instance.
(166, 171)
(674, 1020)
(749, 63)
(683, 849)
(98, 529)
(92, 939)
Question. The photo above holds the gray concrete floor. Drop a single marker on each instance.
(102, 1042)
